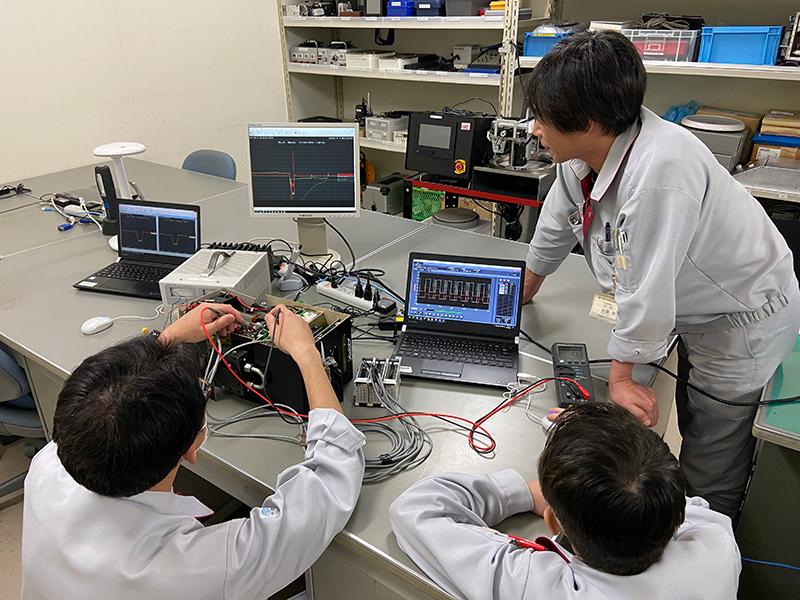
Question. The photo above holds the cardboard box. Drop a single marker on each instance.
(751, 120)
(764, 151)
(783, 118)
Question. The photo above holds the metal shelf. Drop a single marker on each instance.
(381, 145)
(405, 75)
(706, 69)
(402, 22)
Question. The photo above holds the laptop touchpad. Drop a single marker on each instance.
(441, 367)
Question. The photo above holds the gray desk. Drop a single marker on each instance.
(30, 227)
(40, 316)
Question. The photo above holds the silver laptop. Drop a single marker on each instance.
(462, 319)
(154, 238)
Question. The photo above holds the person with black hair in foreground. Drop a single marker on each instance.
(681, 245)
(100, 519)
(614, 490)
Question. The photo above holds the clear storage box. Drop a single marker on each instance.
(665, 44)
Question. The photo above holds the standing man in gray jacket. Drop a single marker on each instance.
(101, 519)
(679, 243)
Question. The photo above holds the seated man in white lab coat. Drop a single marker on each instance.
(616, 492)
(100, 518)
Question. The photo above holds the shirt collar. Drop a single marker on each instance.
(171, 504)
(616, 155)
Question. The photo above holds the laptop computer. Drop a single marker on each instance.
(154, 238)
(462, 319)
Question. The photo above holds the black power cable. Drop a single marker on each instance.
(606, 361)
(344, 239)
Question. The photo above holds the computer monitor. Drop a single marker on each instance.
(308, 171)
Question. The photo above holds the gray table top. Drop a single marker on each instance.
(28, 226)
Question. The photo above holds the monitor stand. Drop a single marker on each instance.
(312, 234)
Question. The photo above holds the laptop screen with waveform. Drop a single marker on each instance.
(304, 169)
(158, 230)
(470, 292)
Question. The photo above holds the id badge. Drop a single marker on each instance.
(576, 218)
(604, 308)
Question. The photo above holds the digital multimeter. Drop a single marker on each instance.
(571, 361)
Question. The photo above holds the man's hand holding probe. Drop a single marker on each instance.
(293, 336)
(219, 318)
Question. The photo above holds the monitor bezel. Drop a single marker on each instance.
(327, 213)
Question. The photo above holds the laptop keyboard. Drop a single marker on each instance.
(454, 350)
(135, 272)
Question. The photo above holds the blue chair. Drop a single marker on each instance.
(18, 415)
(211, 162)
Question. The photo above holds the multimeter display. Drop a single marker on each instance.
(571, 362)
(572, 355)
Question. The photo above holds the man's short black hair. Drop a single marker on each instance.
(613, 486)
(127, 414)
(589, 76)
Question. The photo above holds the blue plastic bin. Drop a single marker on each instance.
(539, 44)
(740, 45)
(430, 8)
(401, 8)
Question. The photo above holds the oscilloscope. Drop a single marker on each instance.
(309, 171)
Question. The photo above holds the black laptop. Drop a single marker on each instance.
(154, 238)
(462, 319)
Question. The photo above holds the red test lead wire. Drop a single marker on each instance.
(476, 426)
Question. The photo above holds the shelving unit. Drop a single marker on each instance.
(406, 75)
(706, 69)
(381, 145)
(507, 26)
(400, 22)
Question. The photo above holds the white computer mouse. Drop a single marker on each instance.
(96, 325)
(547, 425)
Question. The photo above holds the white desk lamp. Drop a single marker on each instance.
(115, 151)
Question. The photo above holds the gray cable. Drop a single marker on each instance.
(407, 450)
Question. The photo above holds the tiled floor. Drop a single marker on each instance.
(13, 462)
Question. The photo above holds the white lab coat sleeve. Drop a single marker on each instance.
(553, 238)
(659, 224)
(699, 517)
(312, 503)
(439, 523)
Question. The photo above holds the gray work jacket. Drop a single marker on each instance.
(691, 250)
(441, 523)
(77, 544)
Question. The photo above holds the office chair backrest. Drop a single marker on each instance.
(13, 382)
(211, 162)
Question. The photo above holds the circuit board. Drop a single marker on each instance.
(256, 369)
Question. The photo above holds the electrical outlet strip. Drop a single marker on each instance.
(344, 293)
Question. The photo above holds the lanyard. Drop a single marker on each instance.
(587, 183)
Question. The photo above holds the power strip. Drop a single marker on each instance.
(344, 293)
